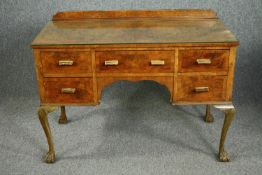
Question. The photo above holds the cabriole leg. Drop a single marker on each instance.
(208, 117)
(62, 118)
(229, 111)
(43, 114)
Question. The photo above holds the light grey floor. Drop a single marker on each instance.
(134, 130)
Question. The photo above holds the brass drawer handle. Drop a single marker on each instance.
(203, 61)
(65, 62)
(201, 89)
(68, 90)
(111, 62)
(157, 62)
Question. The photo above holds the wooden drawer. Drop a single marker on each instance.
(201, 88)
(203, 60)
(65, 63)
(68, 90)
(134, 61)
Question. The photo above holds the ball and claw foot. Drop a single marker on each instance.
(43, 117)
(229, 111)
(224, 156)
(49, 157)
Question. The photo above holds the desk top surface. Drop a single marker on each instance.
(136, 29)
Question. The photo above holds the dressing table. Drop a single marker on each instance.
(190, 52)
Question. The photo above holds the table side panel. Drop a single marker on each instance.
(231, 70)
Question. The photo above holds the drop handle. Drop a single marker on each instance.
(157, 62)
(201, 89)
(65, 62)
(68, 90)
(203, 61)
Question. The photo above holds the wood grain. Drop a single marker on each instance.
(144, 46)
(83, 94)
(81, 63)
(94, 76)
(182, 13)
(39, 75)
(188, 60)
(134, 38)
(230, 80)
(186, 88)
(178, 27)
(134, 61)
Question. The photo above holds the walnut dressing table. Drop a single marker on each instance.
(190, 52)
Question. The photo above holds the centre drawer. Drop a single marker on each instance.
(68, 90)
(202, 88)
(66, 63)
(135, 61)
(203, 60)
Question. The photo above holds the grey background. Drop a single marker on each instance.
(135, 130)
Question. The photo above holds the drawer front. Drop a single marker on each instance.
(134, 61)
(198, 60)
(68, 90)
(65, 63)
(201, 88)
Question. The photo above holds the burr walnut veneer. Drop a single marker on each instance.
(190, 52)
